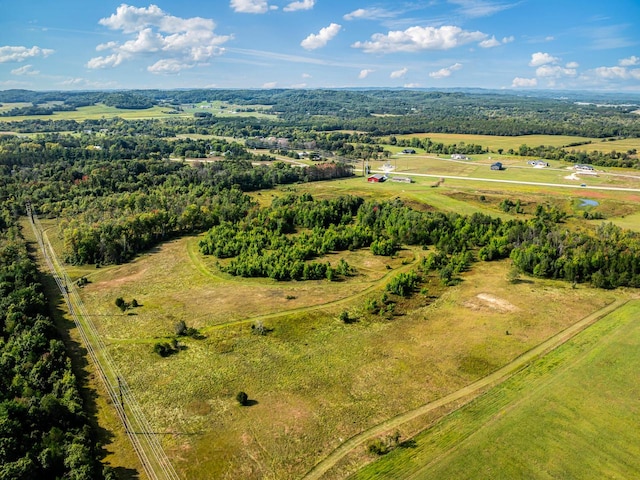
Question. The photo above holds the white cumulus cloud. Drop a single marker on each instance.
(572, 65)
(618, 73)
(168, 66)
(320, 39)
(25, 70)
(446, 72)
(628, 62)
(112, 60)
(10, 53)
(415, 39)
(399, 73)
(251, 6)
(270, 85)
(364, 73)
(174, 43)
(519, 82)
(301, 5)
(540, 58)
(489, 43)
(554, 71)
(494, 42)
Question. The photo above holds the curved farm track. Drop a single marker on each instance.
(202, 268)
(490, 380)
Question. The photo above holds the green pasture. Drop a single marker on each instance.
(95, 112)
(572, 415)
(315, 381)
(467, 196)
(494, 142)
(609, 145)
(98, 111)
(5, 107)
(225, 109)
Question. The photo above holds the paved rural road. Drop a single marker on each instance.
(517, 182)
(490, 380)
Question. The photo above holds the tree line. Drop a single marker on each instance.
(45, 431)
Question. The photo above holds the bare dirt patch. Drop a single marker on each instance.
(491, 302)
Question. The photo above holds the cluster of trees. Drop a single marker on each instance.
(52, 147)
(266, 242)
(439, 147)
(126, 229)
(44, 431)
(608, 259)
(628, 159)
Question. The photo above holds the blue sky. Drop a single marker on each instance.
(521, 44)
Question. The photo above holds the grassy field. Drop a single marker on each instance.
(623, 145)
(494, 142)
(470, 196)
(225, 109)
(314, 380)
(98, 111)
(570, 415)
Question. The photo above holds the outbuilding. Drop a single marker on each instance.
(401, 179)
(376, 178)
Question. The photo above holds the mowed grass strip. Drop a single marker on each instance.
(572, 415)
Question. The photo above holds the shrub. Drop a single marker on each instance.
(403, 284)
(163, 349)
(345, 318)
(242, 398)
(180, 328)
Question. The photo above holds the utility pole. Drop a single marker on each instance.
(124, 415)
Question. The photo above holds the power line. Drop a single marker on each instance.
(143, 438)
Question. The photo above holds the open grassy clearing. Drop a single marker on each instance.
(622, 145)
(226, 109)
(571, 414)
(315, 380)
(494, 142)
(469, 196)
(98, 111)
(5, 107)
(514, 169)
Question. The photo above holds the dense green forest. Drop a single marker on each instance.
(386, 112)
(44, 430)
(123, 198)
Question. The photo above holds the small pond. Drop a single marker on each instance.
(587, 202)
